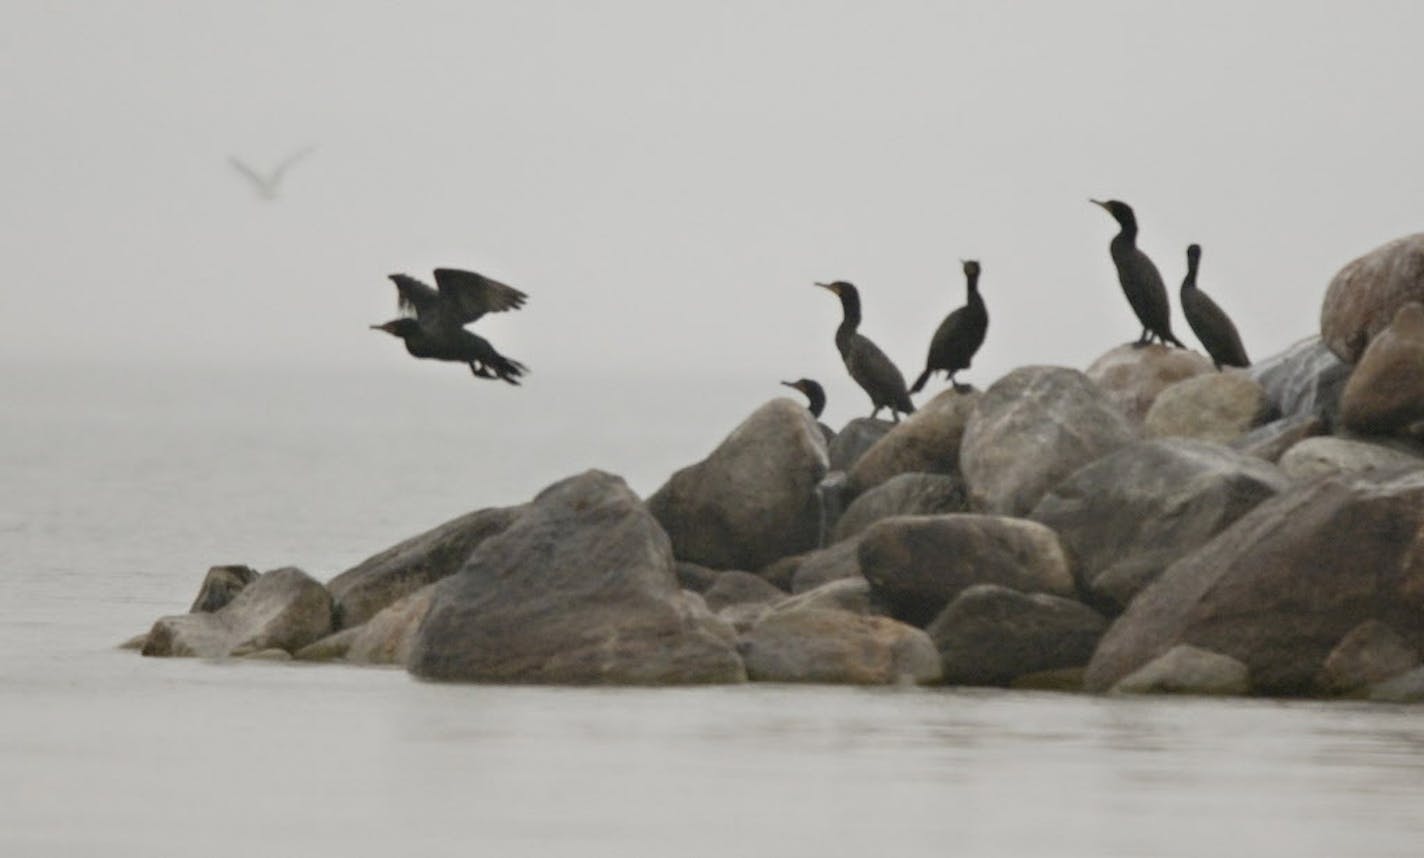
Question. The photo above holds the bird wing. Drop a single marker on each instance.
(292, 159)
(415, 297)
(256, 178)
(876, 373)
(470, 295)
(1214, 328)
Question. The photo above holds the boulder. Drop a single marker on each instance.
(1131, 514)
(736, 588)
(1364, 296)
(1133, 376)
(220, 586)
(904, 494)
(1405, 688)
(1280, 588)
(1371, 653)
(1305, 380)
(841, 560)
(1031, 429)
(1327, 455)
(380, 580)
(990, 635)
(837, 647)
(1385, 393)
(1222, 406)
(846, 594)
(854, 439)
(579, 590)
(389, 637)
(283, 609)
(753, 500)
(918, 564)
(1272, 440)
(1185, 669)
(696, 578)
(333, 647)
(925, 442)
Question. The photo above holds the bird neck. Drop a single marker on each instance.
(971, 285)
(817, 401)
(1127, 229)
(850, 319)
(1191, 280)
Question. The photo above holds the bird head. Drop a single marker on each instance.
(402, 328)
(839, 287)
(971, 268)
(1194, 253)
(1121, 211)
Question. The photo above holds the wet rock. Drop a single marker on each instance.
(845, 594)
(1370, 654)
(1222, 406)
(1364, 296)
(268, 655)
(220, 586)
(1186, 669)
(382, 579)
(389, 637)
(333, 647)
(1132, 377)
(904, 494)
(1066, 679)
(1385, 393)
(1280, 588)
(1272, 440)
(1128, 516)
(1327, 455)
(1405, 688)
(753, 500)
(1305, 380)
(135, 643)
(838, 647)
(283, 609)
(918, 564)
(691, 576)
(735, 588)
(841, 560)
(926, 442)
(1030, 430)
(579, 590)
(990, 635)
(854, 439)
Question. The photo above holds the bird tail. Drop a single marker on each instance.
(920, 382)
(507, 369)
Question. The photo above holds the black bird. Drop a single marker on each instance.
(959, 336)
(868, 365)
(1208, 321)
(437, 330)
(815, 394)
(1140, 279)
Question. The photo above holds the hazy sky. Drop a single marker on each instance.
(666, 180)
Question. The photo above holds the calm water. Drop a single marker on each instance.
(121, 486)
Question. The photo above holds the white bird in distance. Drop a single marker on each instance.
(267, 185)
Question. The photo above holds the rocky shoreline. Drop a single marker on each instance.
(1149, 525)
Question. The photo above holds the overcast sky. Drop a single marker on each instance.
(666, 180)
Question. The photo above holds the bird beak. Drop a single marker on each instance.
(789, 383)
(1099, 203)
(829, 286)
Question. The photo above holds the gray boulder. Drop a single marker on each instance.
(1132, 377)
(579, 590)
(837, 647)
(1385, 393)
(854, 439)
(1222, 406)
(904, 494)
(382, 579)
(1364, 296)
(1131, 514)
(1305, 380)
(1185, 669)
(1371, 653)
(918, 564)
(1328, 455)
(696, 578)
(220, 586)
(841, 560)
(736, 588)
(925, 442)
(1405, 688)
(753, 499)
(283, 609)
(1272, 440)
(1280, 588)
(991, 635)
(845, 594)
(1031, 429)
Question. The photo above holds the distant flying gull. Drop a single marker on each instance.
(267, 186)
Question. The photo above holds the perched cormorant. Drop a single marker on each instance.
(438, 329)
(959, 336)
(1208, 321)
(815, 394)
(868, 365)
(1140, 279)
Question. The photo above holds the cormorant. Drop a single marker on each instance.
(815, 394)
(959, 336)
(1208, 321)
(867, 364)
(438, 329)
(1140, 280)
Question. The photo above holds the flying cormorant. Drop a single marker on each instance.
(815, 394)
(959, 336)
(1208, 321)
(1140, 279)
(437, 330)
(868, 365)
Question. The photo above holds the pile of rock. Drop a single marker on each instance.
(1151, 525)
